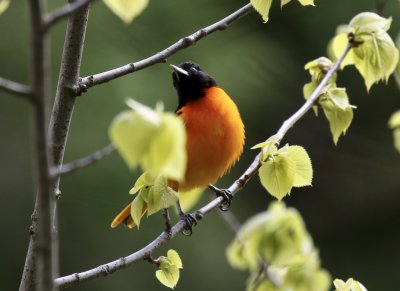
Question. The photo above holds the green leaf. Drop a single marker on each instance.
(339, 98)
(349, 285)
(376, 59)
(302, 2)
(126, 10)
(318, 68)
(145, 179)
(169, 277)
(367, 22)
(271, 140)
(277, 175)
(338, 111)
(276, 236)
(396, 139)
(167, 152)
(153, 139)
(262, 7)
(175, 259)
(307, 2)
(132, 134)
(160, 196)
(284, 2)
(137, 209)
(168, 273)
(269, 147)
(303, 168)
(303, 273)
(394, 120)
(4, 4)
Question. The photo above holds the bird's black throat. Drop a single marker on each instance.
(193, 85)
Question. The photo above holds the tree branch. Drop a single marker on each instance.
(58, 130)
(18, 89)
(287, 124)
(88, 160)
(39, 268)
(161, 56)
(52, 18)
(109, 268)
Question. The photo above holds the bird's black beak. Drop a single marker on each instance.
(179, 70)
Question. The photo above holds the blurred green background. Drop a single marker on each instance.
(352, 210)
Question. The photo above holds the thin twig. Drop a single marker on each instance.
(164, 237)
(18, 89)
(161, 56)
(88, 160)
(52, 18)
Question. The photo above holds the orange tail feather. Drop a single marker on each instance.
(125, 217)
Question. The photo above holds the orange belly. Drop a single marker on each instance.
(215, 138)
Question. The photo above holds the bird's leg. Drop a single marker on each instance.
(226, 194)
(188, 219)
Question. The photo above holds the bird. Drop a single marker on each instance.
(215, 135)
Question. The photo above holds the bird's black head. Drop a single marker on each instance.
(190, 81)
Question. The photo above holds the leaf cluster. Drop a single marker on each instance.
(374, 53)
(275, 247)
(284, 168)
(334, 101)
(153, 195)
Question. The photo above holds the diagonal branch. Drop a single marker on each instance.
(18, 89)
(52, 18)
(88, 160)
(161, 56)
(164, 237)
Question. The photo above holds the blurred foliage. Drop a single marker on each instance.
(275, 247)
(350, 211)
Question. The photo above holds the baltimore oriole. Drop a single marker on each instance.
(215, 133)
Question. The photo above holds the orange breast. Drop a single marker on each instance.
(215, 137)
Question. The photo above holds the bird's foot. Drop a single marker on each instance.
(224, 193)
(190, 222)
